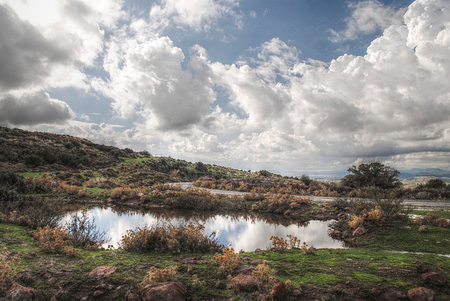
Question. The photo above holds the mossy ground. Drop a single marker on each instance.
(319, 275)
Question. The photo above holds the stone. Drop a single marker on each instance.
(22, 293)
(102, 271)
(435, 278)
(297, 292)
(133, 297)
(256, 261)
(421, 294)
(359, 231)
(168, 291)
(246, 283)
(245, 270)
(278, 291)
(97, 294)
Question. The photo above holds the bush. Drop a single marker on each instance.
(7, 270)
(228, 261)
(373, 174)
(54, 241)
(11, 180)
(182, 239)
(159, 275)
(84, 232)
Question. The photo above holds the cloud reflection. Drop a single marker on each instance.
(240, 232)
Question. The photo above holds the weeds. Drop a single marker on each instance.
(7, 270)
(432, 219)
(306, 250)
(228, 261)
(54, 241)
(159, 275)
(182, 239)
(84, 232)
(278, 243)
(262, 273)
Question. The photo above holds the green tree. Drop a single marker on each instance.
(435, 184)
(373, 174)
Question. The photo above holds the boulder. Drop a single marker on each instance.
(22, 293)
(245, 270)
(435, 278)
(133, 297)
(168, 291)
(421, 294)
(246, 283)
(102, 271)
(278, 291)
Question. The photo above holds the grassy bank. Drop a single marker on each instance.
(341, 274)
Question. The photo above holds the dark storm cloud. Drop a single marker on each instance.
(26, 56)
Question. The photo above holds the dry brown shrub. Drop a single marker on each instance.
(54, 241)
(228, 261)
(262, 273)
(159, 275)
(356, 221)
(7, 270)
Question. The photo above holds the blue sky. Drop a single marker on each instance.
(289, 86)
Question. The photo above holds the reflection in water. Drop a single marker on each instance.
(240, 231)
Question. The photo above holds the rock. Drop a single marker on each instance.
(220, 284)
(421, 294)
(189, 269)
(256, 261)
(359, 231)
(102, 271)
(278, 291)
(133, 297)
(21, 293)
(385, 292)
(279, 272)
(297, 292)
(245, 270)
(246, 283)
(97, 294)
(168, 291)
(435, 278)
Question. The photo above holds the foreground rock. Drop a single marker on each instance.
(21, 293)
(168, 291)
(421, 294)
(435, 278)
(278, 291)
(102, 271)
(246, 283)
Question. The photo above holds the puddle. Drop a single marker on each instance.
(242, 232)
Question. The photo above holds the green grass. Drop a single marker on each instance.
(441, 213)
(434, 240)
(32, 174)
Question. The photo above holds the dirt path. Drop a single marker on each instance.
(415, 203)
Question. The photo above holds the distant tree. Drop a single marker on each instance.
(435, 184)
(305, 180)
(200, 166)
(373, 174)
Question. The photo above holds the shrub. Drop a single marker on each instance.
(278, 243)
(11, 180)
(54, 241)
(182, 239)
(228, 261)
(159, 275)
(356, 221)
(7, 270)
(262, 273)
(84, 232)
(306, 250)
(373, 174)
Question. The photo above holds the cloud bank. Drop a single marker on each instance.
(268, 110)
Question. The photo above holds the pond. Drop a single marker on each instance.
(240, 231)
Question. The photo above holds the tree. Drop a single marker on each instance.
(373, 174)
(306, 180)
(435, 184)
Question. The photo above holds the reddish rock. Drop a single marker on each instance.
(435, 278)
(245, 270)
(133, 297)
(421, 294)
(97, 294)
(168, 291)
(297, 292)
(21, 293)
(102, 271)
(256, 261)
(246, 283)
(360, 231)
(278, 291)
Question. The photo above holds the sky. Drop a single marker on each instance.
(293, 87)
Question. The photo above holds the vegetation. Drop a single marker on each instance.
(372, 175)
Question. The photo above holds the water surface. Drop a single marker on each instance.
(240, 231)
